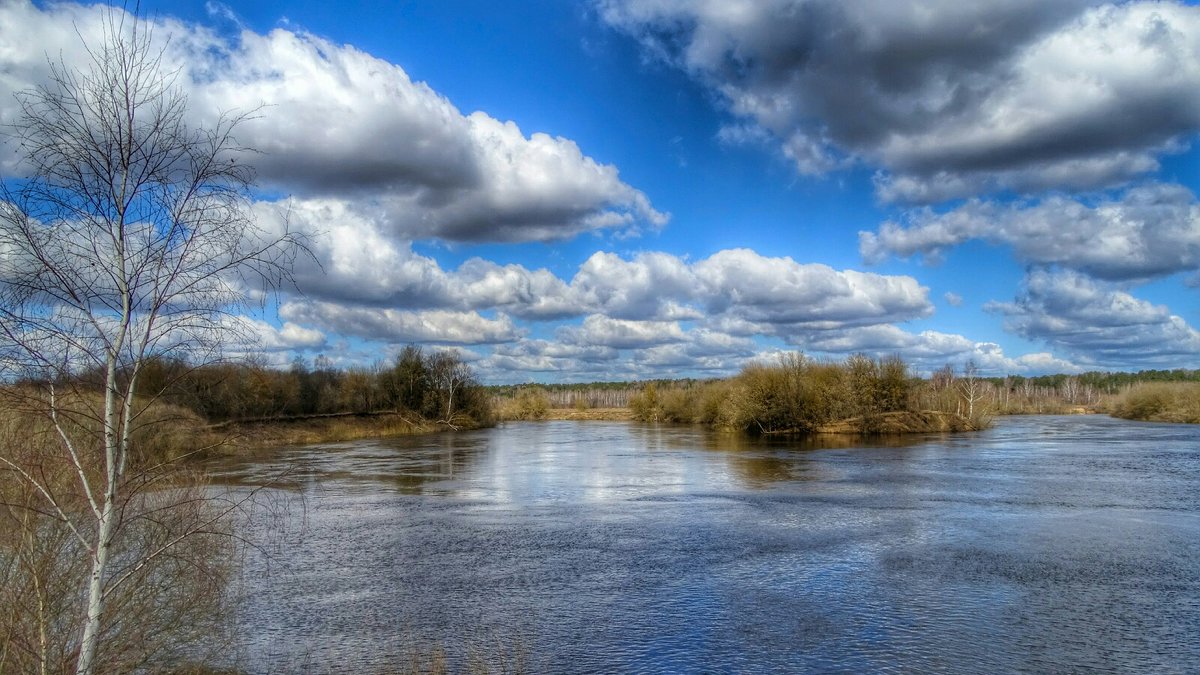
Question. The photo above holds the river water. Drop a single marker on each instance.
(1044, 544)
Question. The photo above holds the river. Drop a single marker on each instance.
(1044, 544)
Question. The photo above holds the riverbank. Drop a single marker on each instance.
(237, 436)
(891, 423)
(590, 414)
(903, 422)
(1175, 402)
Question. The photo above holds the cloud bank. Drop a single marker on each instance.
(339, 125)
(947, 99)
(1146, 232)
(1097, 323)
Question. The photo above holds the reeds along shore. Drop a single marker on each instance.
(1159, 402)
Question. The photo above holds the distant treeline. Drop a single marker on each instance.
(1109, 382)
(435, 385)
(1096, 390)
(798, 392)
(584, 394)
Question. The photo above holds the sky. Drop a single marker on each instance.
(633, 189)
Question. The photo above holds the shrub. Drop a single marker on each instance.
(529, 403)
(794, 395)
(645, 405)
(1160, 402)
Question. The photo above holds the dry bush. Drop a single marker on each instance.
(166, 586)
(529, 403)
(1160, 402)
(645, 405)
(678, 404)
(794, 395)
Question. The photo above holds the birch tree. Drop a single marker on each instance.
(971, 387)
(124, 238)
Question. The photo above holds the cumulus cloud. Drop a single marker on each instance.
(635, 350)
(742, 292)
(746, 285)
(949, 98)
(1148, 231)
(545, 349)
(621, 334)
(1098, 323)
(650, 286)
(398, 326)
(256, 334)
(736, 291)
(337, 123)
(929, 350)
(355, 262)
(546, 357)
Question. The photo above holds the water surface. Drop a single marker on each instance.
(1045, 544)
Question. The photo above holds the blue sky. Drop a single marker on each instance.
(618, 189)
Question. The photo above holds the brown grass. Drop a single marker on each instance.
(237, 436)
(171, 605)
(901, 422)
(529, 403)
(1177, 402)
(591, 414)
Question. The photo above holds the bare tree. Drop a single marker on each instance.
(450, 376)
(1071, 390)
(125, 239)
(971, 387)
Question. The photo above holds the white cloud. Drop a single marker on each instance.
(1149, 231)
(356, 263)
(529, 294)
(1097, 323)
(747, 285)
(622, 334)
(336, 122)
(545, 349)
(950, 98)
(929, 350)
(650, 286)
(257, 335)
(396, 326)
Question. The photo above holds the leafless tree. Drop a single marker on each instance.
(450, 376)
(125, 238)
(971, 387)
(1071, 390)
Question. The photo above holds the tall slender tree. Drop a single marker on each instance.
(125, 238)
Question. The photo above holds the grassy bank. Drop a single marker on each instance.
(1159, 402)
(535, 402)
(267, 433)
(164, 433)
